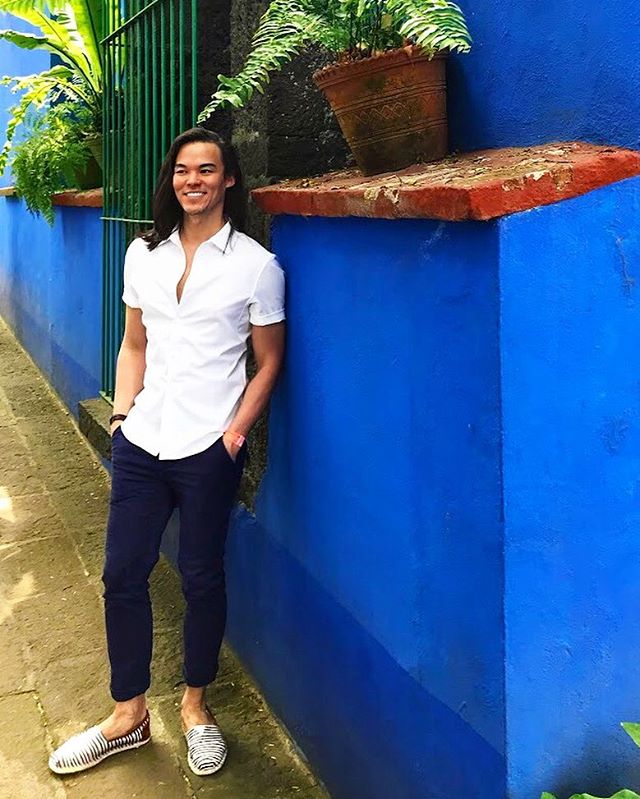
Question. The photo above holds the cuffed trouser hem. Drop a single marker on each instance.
(125, 696)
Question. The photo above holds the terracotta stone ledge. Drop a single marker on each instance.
(91, 198)
(480, 185)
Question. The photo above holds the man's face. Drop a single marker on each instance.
(198, 178)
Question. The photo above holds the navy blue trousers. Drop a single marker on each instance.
(144, 492)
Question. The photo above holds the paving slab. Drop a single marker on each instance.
(54, 499)
(23, 751)
(16, 676)
(27, 517)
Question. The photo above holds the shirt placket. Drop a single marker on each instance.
(167, 434)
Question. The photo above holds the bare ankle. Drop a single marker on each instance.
(132, 708)
(193, 699)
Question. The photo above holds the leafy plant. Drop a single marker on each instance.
(633, 730)
(52, 157)
(620, 795)
(71, 31)
(349, 29)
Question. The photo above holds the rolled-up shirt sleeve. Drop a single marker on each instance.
(129, 294)
(266, 305)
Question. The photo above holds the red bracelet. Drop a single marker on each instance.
(238, 438)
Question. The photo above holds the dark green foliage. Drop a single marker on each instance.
(52, 157)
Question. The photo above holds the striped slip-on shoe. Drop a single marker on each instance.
(206, 749)
(90, 747)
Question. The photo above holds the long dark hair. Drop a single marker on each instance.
(167, 211)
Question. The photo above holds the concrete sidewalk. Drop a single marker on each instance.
(53, 677)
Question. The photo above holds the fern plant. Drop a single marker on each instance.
(72, 32)
(348, 29)
(52, 157)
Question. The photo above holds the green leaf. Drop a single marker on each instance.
(31, 11)
(633, 731)
(626, 794)
(546, 795)
(88, 17)
(29, 41)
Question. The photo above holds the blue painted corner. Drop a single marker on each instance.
(571, 398)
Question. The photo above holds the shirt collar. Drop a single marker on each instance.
(219, 239)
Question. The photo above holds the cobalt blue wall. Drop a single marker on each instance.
(545, 71)
(437, 592)
(50, 293)
(571, 404)
(367, 594)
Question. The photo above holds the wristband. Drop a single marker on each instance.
(238, 438)
(117, 417)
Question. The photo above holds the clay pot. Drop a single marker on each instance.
(391, 107)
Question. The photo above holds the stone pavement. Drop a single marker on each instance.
(53, 680)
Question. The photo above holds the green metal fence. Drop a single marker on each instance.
(150, 58)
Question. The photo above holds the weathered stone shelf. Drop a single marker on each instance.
(91, 198)
(479, 185)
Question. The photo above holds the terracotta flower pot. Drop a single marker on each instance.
(391, 107)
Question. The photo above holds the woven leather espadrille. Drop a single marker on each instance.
(90, 747)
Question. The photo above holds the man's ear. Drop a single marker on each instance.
(229, 182)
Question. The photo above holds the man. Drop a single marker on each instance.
(195, 289)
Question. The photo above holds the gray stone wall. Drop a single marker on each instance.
(288, 132)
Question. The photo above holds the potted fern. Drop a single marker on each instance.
(54, 156)
(386, 79)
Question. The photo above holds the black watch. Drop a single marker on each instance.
(117, 417)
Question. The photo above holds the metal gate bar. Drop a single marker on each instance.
(150, 56)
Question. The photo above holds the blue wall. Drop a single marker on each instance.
(437, 593)
(546, 71)
(51, 293)
(571, 400)
(379, 520)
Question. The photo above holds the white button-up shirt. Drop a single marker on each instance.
(196, 348)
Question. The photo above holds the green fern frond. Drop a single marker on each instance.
(433, 24)
(284, 30)
(35, 96)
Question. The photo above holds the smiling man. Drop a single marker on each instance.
(195, 288)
